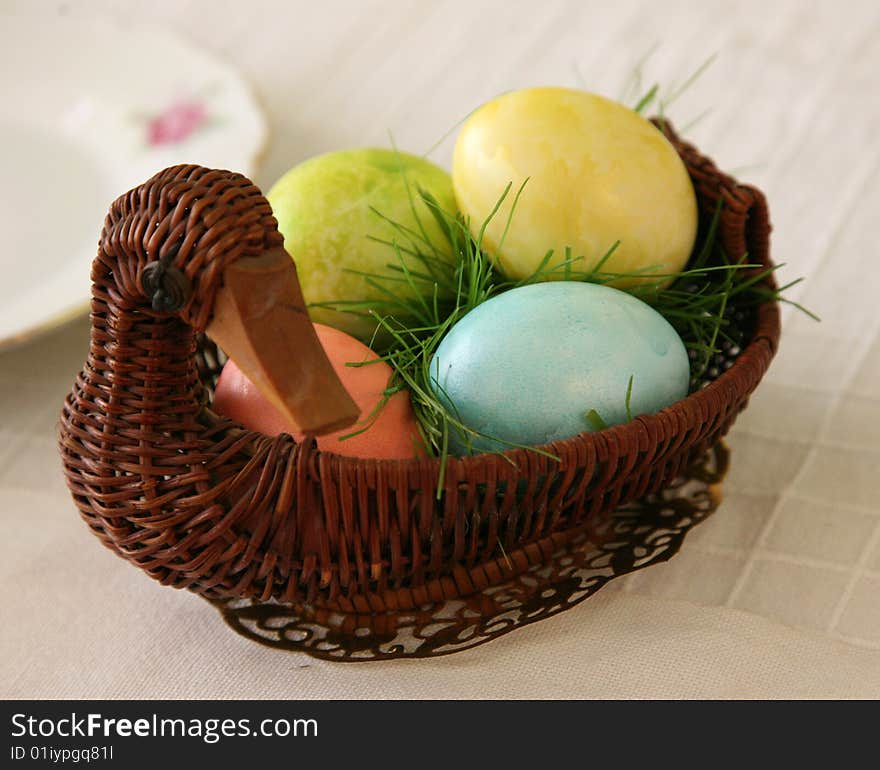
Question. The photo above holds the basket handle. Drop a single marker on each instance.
(745, 220)
(744, 226)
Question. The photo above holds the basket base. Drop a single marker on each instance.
(630, 538)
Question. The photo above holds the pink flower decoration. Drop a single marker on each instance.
(176, 123)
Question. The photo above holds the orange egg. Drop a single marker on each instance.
(392, 435)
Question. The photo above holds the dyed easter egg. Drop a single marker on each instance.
(333, 211)
(527, 366)
(393, 435)
(597, 172)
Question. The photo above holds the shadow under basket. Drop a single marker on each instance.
(282, 536)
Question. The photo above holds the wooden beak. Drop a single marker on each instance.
(260, 321)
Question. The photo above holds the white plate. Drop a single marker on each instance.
(89, 110)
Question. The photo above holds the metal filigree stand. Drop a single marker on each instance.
(632, 537)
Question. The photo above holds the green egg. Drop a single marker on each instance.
(327, 211)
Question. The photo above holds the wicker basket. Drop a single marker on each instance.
(200, 503)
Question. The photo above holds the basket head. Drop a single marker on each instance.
(199, 502)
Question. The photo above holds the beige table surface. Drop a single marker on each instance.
(777, 595)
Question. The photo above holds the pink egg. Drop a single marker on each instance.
(393, 434)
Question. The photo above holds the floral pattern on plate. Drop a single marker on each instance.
(177, 122)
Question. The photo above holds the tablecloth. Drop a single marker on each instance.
(776, 595)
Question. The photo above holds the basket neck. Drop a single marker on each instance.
(144, 370)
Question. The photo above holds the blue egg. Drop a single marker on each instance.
(527, 366)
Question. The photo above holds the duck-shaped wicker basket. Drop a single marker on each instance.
(199, 502)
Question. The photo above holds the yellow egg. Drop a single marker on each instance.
(597, 173)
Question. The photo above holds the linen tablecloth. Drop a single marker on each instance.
(776, 595)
